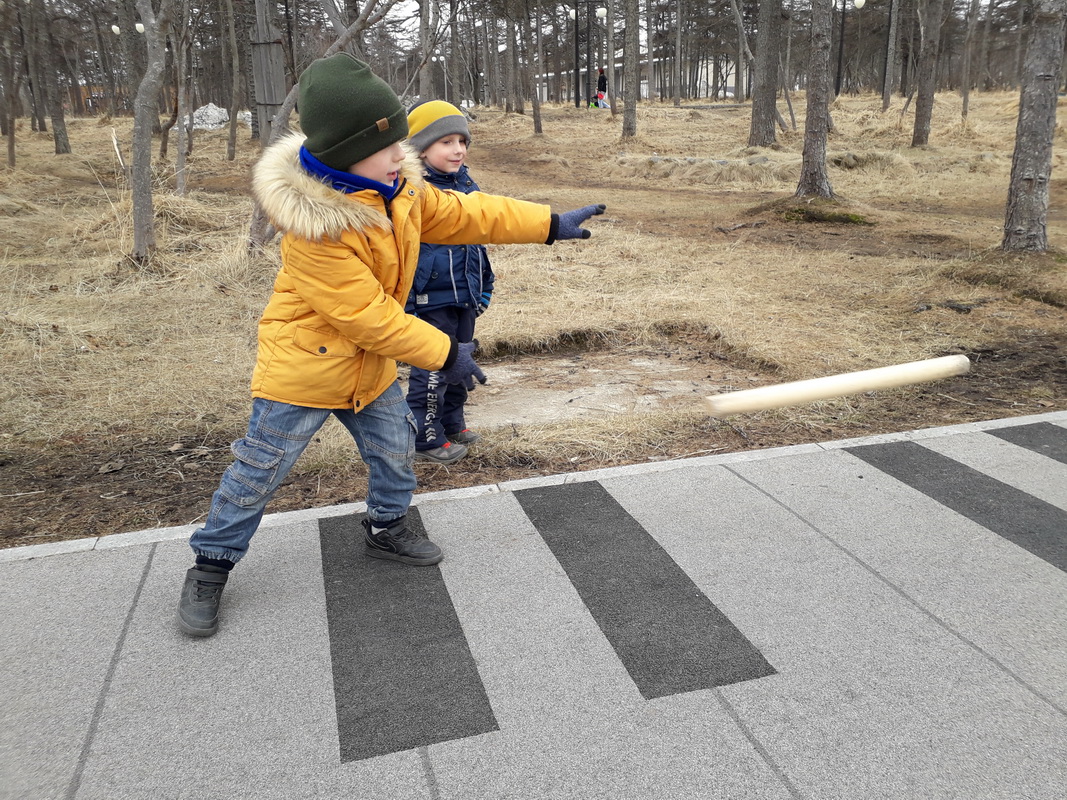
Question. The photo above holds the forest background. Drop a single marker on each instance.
(794, 190)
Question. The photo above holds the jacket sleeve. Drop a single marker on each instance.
(479, 218)
(341, 289)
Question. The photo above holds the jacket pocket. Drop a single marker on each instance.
(327, 343)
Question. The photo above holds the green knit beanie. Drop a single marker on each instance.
(347, 112)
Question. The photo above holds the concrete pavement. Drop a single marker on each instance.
(884, 617)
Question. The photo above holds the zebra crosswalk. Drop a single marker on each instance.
(572, 598)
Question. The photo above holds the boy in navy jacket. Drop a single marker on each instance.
(453, 285)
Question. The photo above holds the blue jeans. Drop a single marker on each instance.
(384, 432)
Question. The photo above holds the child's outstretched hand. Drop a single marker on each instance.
(570, 222)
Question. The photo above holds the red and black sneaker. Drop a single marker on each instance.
(448, 453)
(465, 436)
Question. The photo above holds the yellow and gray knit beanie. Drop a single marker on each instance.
(429, 120)
(347, 112)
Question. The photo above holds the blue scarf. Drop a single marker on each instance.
(345, 181)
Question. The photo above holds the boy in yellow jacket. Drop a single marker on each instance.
(353, 207)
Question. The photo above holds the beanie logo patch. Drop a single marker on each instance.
(383, 124)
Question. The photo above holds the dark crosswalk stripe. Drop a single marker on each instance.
(1036, 526)
(403, 673)
(1041, 437)
(670, 637)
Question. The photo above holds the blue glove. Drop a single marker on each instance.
(570, 222)
(463, 368)
(483, 303)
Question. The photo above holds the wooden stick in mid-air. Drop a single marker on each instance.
(868, 380)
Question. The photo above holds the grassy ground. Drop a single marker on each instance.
(120, 388)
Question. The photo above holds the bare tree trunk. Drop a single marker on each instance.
(814, 180)
(765, 83)
(27, 28)
(744, 55)
(493, 50)
(51, 85)
(107, 70)
(165, 128)
(425, 45)
(145, 119)
(1020, 53)
(677, 72)
(235, 74)
(986, 78)
(1031, 165)
(631, 70)
(535, 64)
(10, 75)
(509, 70)
(968, 51)
(612, 79)
(130, 42)
(930, 14)
(892, 50)
(453, 47)
(182, 46)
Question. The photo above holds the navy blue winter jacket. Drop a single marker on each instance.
(451, 275)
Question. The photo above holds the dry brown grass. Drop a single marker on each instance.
(90, 345)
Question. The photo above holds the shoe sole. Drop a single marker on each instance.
(199, 632)
(434, 460)
(415, 562)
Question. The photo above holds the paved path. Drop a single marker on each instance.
(879, 618)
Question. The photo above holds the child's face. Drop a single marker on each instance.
(447, 154)
(383, 166)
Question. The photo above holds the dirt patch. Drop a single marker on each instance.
(100, 485)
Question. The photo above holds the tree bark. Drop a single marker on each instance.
(182, 46)
(744, 55)
(814, 180)
(610, 65)
(930, 15)
(426, 45)
(1031, 164)
(535, 64)
(235, 75)
(765, 82)
(892, 43)
(11, 76)
(983, 50)
(130, 43)
(677, 71)
(27, 29)
(51, 84)
(968, 56)
(631, 76)
(145, 119)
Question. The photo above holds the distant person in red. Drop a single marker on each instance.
(602, 89)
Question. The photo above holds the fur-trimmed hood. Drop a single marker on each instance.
(299, 203)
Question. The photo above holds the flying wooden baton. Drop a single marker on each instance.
(869, 380)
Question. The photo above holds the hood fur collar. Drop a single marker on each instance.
(301, 204)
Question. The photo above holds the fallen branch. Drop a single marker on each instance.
(729, 228)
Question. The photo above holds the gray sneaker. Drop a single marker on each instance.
(465, 436)
(400, 543)
(198, 610)
(448, 453)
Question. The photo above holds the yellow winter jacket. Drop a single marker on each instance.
(335, 325)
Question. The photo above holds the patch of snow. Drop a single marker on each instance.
(211, 117)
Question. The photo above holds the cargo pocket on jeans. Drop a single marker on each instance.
(251, 476)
